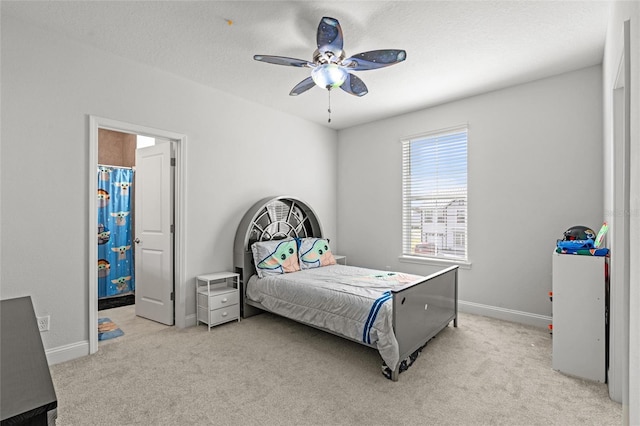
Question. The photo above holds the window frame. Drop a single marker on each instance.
(408, 253)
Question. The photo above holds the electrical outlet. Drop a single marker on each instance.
(43, 323)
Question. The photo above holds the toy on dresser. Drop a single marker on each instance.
(583, 240)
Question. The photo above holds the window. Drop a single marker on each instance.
(459, 238)
(462, 216)
(428, 216)
(434, 184)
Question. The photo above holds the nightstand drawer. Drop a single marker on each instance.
(218, 300)
(218, 316)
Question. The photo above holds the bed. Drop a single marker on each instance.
(286, 268)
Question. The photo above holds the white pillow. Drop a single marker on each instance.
(315, 252)
(275, 257)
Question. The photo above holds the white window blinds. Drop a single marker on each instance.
(434, 195)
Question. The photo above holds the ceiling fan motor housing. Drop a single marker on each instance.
(324, 55)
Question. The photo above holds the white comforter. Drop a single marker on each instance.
(351, 301)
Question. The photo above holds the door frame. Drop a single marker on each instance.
(95, 123)
(618, 373)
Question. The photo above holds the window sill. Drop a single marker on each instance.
(434, 261)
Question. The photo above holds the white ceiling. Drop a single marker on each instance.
(455, 49)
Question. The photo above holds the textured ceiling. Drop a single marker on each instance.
(454, 49)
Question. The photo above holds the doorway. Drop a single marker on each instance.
(165, 262)
(116, 218)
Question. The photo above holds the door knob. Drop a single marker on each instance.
(137, 240)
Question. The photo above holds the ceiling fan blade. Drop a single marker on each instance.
(302, 87)
(353, 85)
(329, 35)
(374, 59)
(282, 60)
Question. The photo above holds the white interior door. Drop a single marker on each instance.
(153, 233)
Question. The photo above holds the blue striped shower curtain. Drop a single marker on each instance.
(115, 250)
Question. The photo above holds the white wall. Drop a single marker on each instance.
(534, 170)
(237, 153)
(624, 374)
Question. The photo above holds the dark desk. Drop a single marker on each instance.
(26, 390)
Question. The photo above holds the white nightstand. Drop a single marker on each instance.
(218, 297)
(340, 259)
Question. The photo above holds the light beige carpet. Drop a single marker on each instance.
(267, 370)
(132, 325)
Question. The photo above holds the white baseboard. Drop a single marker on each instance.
(67, 352)
(520, 317)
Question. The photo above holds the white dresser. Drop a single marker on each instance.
(579, 316)
(217, 296)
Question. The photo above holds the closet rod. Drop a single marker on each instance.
(116, 167)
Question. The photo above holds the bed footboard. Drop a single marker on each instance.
(422, 309)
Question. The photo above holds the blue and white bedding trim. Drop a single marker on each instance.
(373, 313)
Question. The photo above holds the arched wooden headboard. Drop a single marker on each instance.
(272, 218)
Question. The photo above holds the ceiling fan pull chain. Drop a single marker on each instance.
(329, 109)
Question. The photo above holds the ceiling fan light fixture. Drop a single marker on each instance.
(330, 68)
(329, 76)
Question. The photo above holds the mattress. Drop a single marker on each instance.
(350, 301)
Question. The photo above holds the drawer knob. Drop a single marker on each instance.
(224, 314)
(224, 300)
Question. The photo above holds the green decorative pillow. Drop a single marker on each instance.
(275, 257)
(315, 252)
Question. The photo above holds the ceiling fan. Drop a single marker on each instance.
(330, 68)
